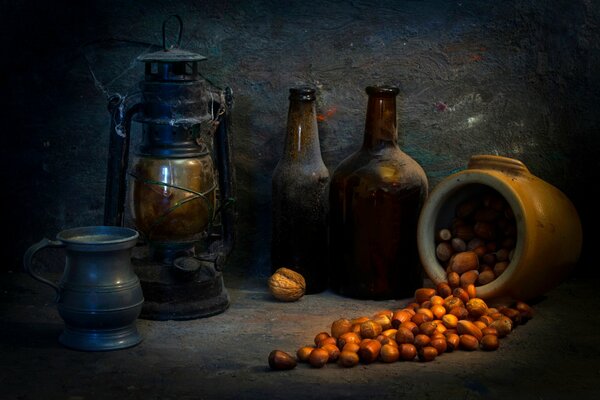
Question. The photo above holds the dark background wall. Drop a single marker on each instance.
(517, 78)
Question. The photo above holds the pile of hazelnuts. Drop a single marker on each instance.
(439, 320)
(474, 250)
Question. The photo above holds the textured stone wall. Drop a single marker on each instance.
(514, 78)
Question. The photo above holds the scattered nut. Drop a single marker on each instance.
(287, 285)
(280, 360)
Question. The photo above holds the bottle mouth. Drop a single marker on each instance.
(383, 91)
(304, 93)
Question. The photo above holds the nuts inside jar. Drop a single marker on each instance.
(479, 243)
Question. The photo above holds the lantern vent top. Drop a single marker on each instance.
(171, 63)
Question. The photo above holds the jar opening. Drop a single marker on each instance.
(480, 220)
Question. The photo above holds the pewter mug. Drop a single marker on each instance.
(99, 296)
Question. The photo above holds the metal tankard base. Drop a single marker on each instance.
(100, 339)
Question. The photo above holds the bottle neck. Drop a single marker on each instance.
(302, 137)
(380, 125)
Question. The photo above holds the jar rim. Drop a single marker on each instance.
(448, 189)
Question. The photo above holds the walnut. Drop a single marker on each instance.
(287, 285)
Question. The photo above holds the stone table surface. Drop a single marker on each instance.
(555, 355)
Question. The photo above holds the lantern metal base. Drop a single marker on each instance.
(171, 293)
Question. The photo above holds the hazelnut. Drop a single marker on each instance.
(452, 342)
(485, 277)
(453, 301)
(348, 359)
(450, 321)
(408, 351)
(438, 311)
(318, 358)
(471, 290)
(353, 347)
(410, 326)
(463, 262)
(490, 342)
(427, 353)
(370, 329)
(459, 312)
(489, 331)
(369, 350)
(389, 353)
(440, 344)
(404, 335)
(458, 245)
(461, 294)
(383, 320)
(326, 341)
(422, 340)
(444, 251)
(513, 314)
(424, 294)
(453, 279)
(468, 342)
(469, 328)
(320, 337)
(427, 328)
(503, 325)
(399, 317)
(303, 353)
(333, 351)
(525, 310)
(443, 289)
(348, 337)
(340, 326)
(476, 307)
(391, 333)
(280, 360)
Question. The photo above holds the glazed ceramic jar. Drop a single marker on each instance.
(548, 231)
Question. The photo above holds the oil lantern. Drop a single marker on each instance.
(177, 188)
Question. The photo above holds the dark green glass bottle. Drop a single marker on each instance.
(300, 185)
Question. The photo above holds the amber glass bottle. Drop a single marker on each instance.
(376, 195)
(299, 197)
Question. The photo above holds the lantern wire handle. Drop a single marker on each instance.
(178, 36)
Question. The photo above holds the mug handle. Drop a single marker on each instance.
(28, 259)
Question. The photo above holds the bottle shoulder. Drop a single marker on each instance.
(391, 166)
(300, 174)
